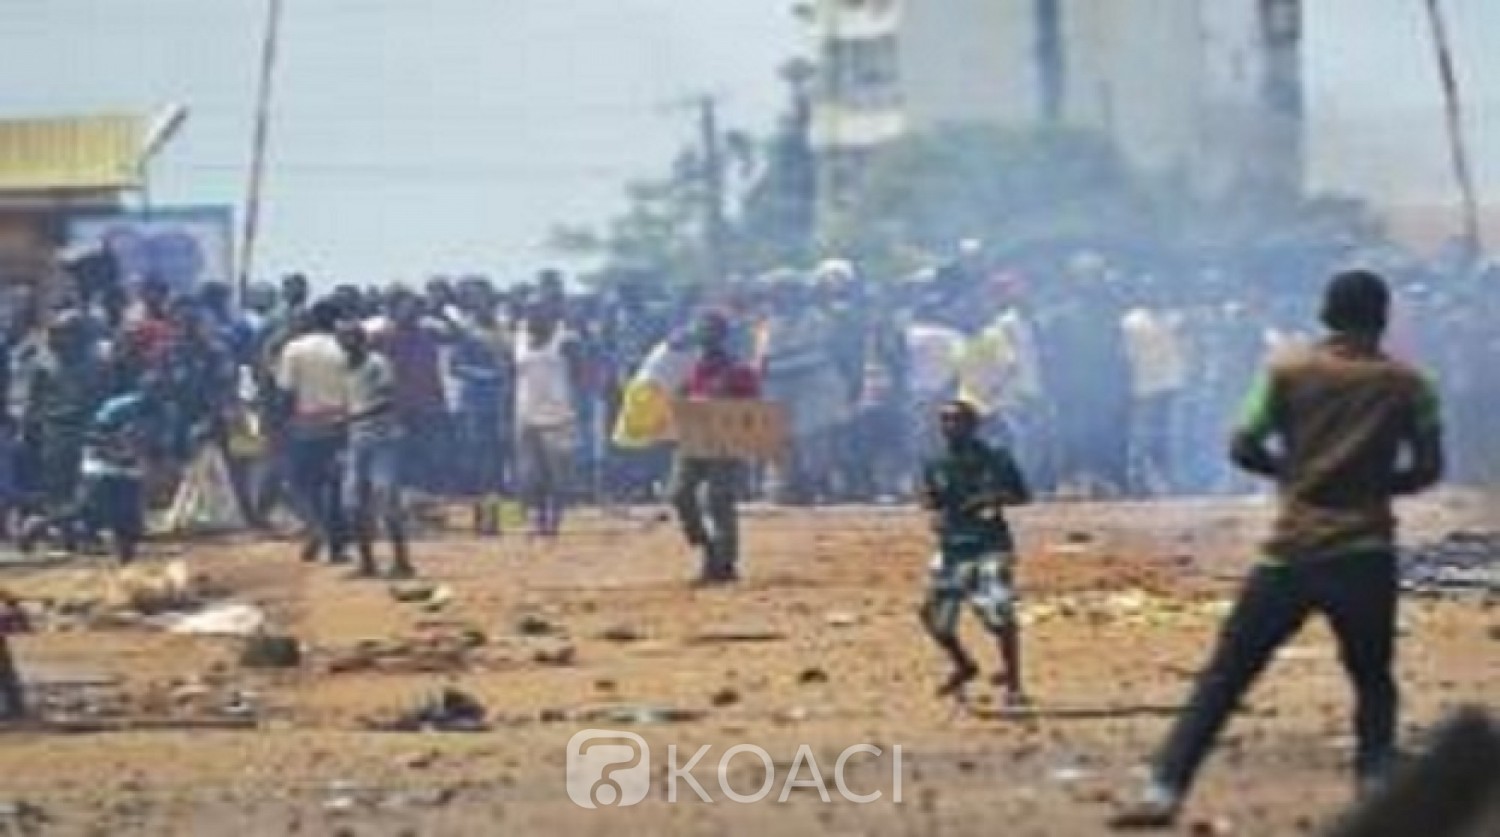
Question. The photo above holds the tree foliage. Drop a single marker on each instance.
(915, 198)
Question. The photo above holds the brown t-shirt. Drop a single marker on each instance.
(1343, 413)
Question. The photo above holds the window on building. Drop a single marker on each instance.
(862, 73)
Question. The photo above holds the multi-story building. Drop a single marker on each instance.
(1188, 86)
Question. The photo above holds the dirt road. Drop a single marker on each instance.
(818, 646)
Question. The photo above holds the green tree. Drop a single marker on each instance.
(921, 194)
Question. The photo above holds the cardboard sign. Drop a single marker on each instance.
(730, 429)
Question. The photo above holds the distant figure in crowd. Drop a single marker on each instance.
(966, 488)
(716, 374)
(65, 387)
(546, 424)
(413, 344)
(372, 466)
(314, 372)
(1355, 429)
(480, 361)
(114, 469)
(1158, 375)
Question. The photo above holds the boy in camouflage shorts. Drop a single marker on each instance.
(965, 490)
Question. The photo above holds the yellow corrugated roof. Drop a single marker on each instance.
(74, 153)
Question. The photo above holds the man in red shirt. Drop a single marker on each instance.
(717, 374)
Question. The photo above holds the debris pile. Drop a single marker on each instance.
(146, 595)
(1462, 562)
(434, 653)
(449, 710)
(1133, 607)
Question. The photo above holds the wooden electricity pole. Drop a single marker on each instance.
(251, 230)
(715, 228)
(1457, 147)
(12, 693)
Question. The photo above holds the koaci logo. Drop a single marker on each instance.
(608, 769)
(612, 769)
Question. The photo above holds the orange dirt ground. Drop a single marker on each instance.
(1121, 601)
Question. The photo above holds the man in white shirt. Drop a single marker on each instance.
(546, 422)
(313, 372)
(1158, 373)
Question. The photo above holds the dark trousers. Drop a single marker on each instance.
(116, 504)
(719, 481)
(317, 479)
(1357, 593)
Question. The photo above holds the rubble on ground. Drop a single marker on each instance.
(1461, 562)
(1131, 607)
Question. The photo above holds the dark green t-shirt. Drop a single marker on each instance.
(966, 485)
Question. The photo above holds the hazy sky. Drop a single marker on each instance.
(416, 136)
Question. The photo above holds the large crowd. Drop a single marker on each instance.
(1107, 375)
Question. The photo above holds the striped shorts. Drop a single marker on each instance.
(984, 581)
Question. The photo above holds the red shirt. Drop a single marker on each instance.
(721, 376)
(149, 339)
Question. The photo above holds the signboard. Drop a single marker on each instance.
(730, 429)
(186, 246)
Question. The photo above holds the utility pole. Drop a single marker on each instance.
(1458, 149)
(1051, 59)
(715, 228)
(251, 230)
(12, 693)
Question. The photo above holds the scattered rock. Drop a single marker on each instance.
(190, 693)
(621, 633)
(441, 597)
(240, 705)
(533, 625)
(222, 619)
(1069, 774)
(725, 697)
(429, 797)
(421, 761)
(473, 638)
(21, 814)
(642, 715)
(812, 675)
(412, 592)
(843, 620)
(341, 805)
(792, 715)
(271, 651)
(1462, 562)
(1494, 632)
(752, 633)
(450, 710)
(1215, 827)
(554, 715)
(605, 684)
(562, 655)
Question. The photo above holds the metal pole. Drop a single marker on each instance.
(258, 150)
(1453, 108)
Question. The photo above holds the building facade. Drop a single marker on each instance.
(1207, 90)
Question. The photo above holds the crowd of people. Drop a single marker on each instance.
(1106, 375)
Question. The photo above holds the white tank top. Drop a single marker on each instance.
(544, 393)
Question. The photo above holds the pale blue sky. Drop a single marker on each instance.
(417, 136)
